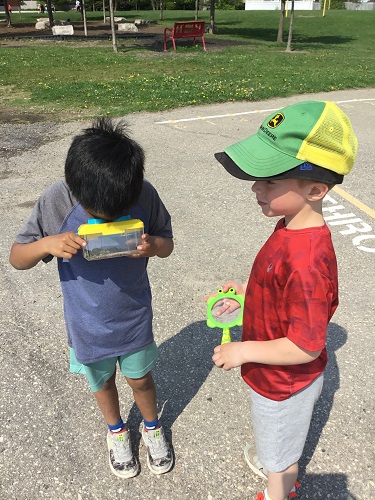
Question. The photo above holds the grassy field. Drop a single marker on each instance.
(78, 80)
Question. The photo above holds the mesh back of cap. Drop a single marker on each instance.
(331, 143)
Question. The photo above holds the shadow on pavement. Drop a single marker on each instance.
(184, 364)
(333, 486)
(320, 485)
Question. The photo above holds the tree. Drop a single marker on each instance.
(50, 15)
(281, 22)
(84, 17)
(161, 17)
(288, 46)
(113, 28)
(212, 16)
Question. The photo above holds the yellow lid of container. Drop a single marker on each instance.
(108, 228)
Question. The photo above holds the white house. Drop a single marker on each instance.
(276, 5)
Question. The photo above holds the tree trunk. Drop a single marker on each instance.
(281, 22)
(104, 11)
(161, 10)
(196, 10)
(112, 18)
(212, 16)
(288, 47)
(84, 17)
(50, 15)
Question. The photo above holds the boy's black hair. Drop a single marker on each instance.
(104, 168)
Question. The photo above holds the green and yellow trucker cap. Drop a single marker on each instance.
(316, 133)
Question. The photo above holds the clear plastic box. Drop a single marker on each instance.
(106, 240)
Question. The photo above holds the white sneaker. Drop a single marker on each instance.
(159, 453)
(252, 460)
(121, 459)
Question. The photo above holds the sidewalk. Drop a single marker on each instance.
(52, 436)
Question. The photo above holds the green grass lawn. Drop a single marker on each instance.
(330, 53)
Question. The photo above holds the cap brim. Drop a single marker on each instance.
(317, 173)
(257, 158)
(232, 168)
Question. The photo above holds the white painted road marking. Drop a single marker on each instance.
(336, 215)
(255, 112)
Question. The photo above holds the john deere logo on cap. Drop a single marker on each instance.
(276, 120)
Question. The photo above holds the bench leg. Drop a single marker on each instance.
(174, 43)
(204, 45)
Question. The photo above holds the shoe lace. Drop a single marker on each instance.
(157, 444)
(121, 449)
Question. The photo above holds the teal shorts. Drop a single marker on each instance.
(135, 365)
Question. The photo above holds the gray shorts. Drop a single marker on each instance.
(280, 427)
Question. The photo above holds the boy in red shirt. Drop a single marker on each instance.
(296, 157)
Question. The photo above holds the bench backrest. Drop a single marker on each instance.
(188, 29)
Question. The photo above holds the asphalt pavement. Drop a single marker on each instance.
(52, 436)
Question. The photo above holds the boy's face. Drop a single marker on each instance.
(281, 197)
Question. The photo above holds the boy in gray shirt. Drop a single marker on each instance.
(107, 302)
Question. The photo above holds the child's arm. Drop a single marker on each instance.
(271, 352)
(27, 255)
(154, 246)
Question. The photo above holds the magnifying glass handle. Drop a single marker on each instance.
(226, 336)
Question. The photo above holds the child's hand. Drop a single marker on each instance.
(64, 245)
(227, 306)
(150, 246)
(228, 356)
(147, 248)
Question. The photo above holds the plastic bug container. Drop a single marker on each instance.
(106, 240)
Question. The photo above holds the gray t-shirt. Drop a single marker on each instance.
(107, 303)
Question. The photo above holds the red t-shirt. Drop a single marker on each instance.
(292, 292)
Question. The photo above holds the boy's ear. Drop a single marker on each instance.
(317, 191)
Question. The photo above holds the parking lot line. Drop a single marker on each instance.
(254, 112)
(367, 210)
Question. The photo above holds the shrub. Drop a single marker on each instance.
(335, 4)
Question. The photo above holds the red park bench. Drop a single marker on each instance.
(189, 29)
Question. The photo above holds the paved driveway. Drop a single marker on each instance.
(52, 439)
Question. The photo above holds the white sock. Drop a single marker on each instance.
(266, 495)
